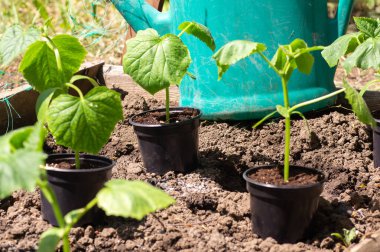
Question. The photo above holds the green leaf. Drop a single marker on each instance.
(340, 47)
(349, 236)
(43, 102)
(39, 65)
(305, 62)
(50, 239)
(358, 104)
(134, 199)
(19, 170)
(365, 56)
(14, 41)
(368, 26)
(298, 44)
(282, 111)
(279, 61)
(199, 31)
(85, 124)
(156, 62)
(234, 51)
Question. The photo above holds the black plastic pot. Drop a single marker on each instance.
(168, 147)
(282, 212)
(376, 139)
(75, 188)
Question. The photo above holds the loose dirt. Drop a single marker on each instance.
(212, 209)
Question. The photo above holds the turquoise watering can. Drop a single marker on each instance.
(249, 90)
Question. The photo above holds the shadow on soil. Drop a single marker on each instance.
(226, 170)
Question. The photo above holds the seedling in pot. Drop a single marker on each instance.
(361, 49)
(296, 55)
(156, 62)
(82, 123)
(22, 167)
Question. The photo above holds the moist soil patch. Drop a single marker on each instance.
(156, 118)
(274, 176)
(212, 210)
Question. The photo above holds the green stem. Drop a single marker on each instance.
(167, 105)
(87, 208)
(367, 85)
(76, 89)
(77, 160)
(264, 119)
(269, 63)
(303, 104)
(52, 199)
(287, 130)
(184, 30)
(52, 46)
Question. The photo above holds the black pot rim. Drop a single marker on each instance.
(285, 187)
(82, 156)
(164, 125)
(377, 118)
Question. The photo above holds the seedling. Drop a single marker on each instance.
(362, 51)
(82, 123)
(156, 62)
(346, 237)
(22, 167)
(296, 55)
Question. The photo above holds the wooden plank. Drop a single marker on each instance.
(115, 78)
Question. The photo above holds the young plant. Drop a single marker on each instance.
(156, 62)
(82, 123)
(362, 50)
(346, 237)
(22, 167)
(296, 55)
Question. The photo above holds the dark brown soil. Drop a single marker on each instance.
(212, 209)
(155, 118)
(275, 176)
(71, 165)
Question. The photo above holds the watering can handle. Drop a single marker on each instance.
(141, 15)
(343, 15)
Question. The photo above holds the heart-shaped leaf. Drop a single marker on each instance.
(85, 124)
(199, 31)
(15, 40)
(134, 199)
(39, 65)
(20, 159)
(156, 62)
(365, 56)
(50, 239)
(368, 26)
(358, 104)
(234, 51)
(340, 47)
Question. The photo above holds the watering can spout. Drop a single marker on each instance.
(342, 18)
(140, 15)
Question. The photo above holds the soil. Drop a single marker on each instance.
(274, 176)
(212, 210)
(159, 117)
(71, 165)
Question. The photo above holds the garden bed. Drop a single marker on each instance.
(212, 209)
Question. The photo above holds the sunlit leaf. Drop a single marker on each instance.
(199, 31)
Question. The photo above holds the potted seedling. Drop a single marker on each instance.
(82, 123)
(362, 51)
(22, 167)
(168, 138)
(283, 197)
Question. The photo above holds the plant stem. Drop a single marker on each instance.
(264, 119)
(287, 129)
(77, 160)
(76, 89)
(87, 208)
(167, 105)
(302, 104)
(52, 199)
(269, 63)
